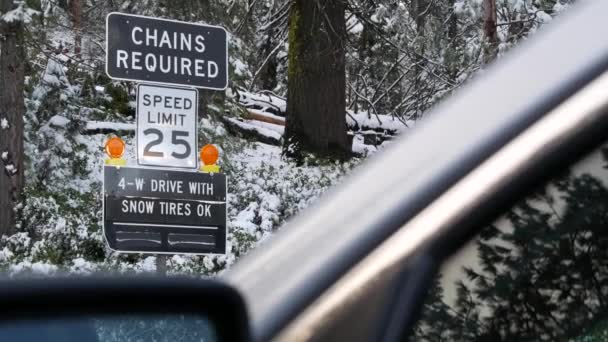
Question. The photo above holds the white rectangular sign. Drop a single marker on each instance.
(167, 126)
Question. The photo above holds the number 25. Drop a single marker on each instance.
(175, 139)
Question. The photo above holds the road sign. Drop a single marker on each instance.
(164, 211)
(166, 126)
(166, 51)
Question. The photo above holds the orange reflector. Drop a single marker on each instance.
(115, 147)
(209, 154)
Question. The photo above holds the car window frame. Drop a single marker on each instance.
(557, 141)
(283, 278)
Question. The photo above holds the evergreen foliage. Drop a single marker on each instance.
(542, 271)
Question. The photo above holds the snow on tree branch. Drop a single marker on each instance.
(11, 169)
(22, 14)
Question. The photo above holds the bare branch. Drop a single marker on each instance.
(245, 17)
(255, 76)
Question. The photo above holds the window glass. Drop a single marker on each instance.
(112, 328)
(540, 272)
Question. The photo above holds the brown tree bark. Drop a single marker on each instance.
(76, 12)
(316, 96)
(12, 109)
(268, 76)
(489, 29)
(452, 38)
(419, 9)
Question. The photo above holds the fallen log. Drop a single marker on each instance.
(268, 118)
(241, 129)
(99, 127)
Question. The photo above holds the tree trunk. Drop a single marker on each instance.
(489, 29)
(12, 109)
(76, 12)
(452, 45)
(316, 97)
(419, 9)
(203, 100)
(268, 77)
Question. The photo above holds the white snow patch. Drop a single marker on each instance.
(264, 102)
(261, 154)
(267, 126)
(544, 17)
(20, 14)
(360, 148)
(148, 264)
(81, 266)
(240, 68)
(54, 76)
(59, 121)
(244, 219)
(95, 125)
(459, 8)
(11, 168)
(208, 262)
(36, 268)
(6, 254)
(560, 7)
(354, 25)
(4, 123)
(51, 80)
(218, 130)
(372, 121)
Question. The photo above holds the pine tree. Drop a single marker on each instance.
(316, 104)
(489, 30)
(436, 322)
(541, 274)
(12, 108)
(546, 277)
(542, 277)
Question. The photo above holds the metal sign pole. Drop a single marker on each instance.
(161, 265)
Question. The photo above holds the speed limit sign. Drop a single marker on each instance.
(166, 126)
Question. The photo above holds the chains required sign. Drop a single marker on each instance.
(166, 126)
(166, 51)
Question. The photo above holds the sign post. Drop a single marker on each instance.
(161, 264)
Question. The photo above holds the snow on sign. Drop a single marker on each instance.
(166, 51)
(166, 126)
(164, 211)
